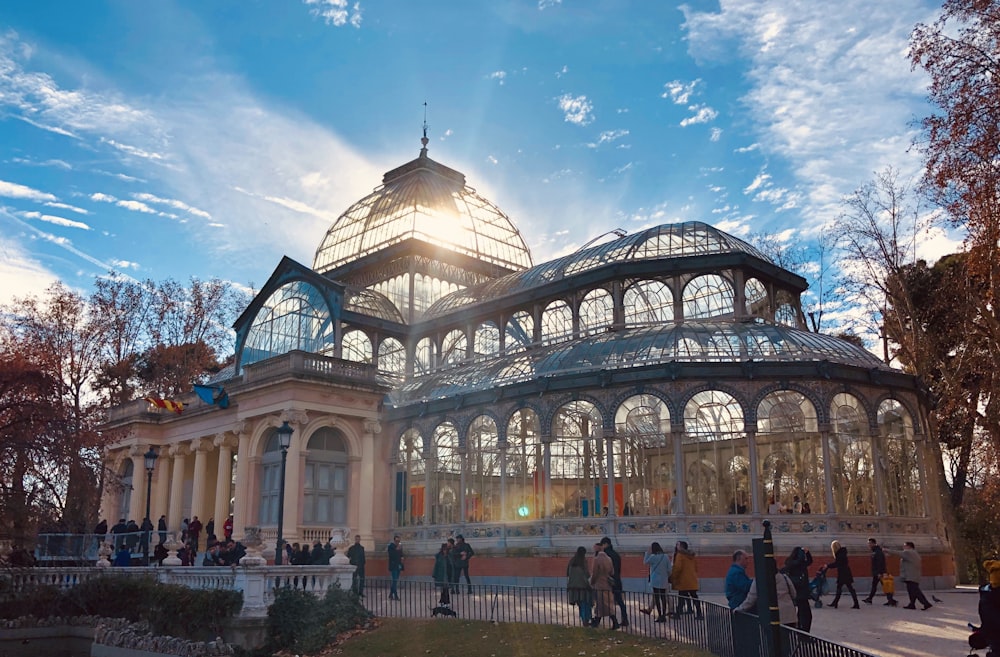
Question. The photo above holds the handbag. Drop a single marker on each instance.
(888, 584)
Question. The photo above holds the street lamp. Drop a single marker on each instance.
(150, 458)
(284, 440)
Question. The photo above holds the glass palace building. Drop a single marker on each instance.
(661, 385)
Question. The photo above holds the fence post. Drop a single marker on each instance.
(765, 570)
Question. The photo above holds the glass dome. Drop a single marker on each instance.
(427, 201)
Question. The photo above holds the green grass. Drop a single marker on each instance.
(449, 637)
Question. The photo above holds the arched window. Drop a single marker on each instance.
(789, 454)
(295, 316)
(447, 475)
(523, 460)
(644, 462)
(706, 296)
(357, 346)
(325, 483)
(411, 480)
(596, 312)
(900, 461)
(270, 479)
(423, 357)
(648, 303)
(851, 457)
(391, 356)
(557, 322)
(454, 348)
(785, 312)
(482, 497)
(756, 298)
(715, 449)
(520, 332)
(579, 462)
(487, 341)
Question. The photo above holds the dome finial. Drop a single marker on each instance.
(424, 140)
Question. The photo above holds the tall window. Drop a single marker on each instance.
(644, 462)
(523, 460)
(391, 356)
(325, 483)
(596, 312)
(579, 461)
(557, 322)
(648, 303)
(447, 477)
(486, 343)
(709, 295)
(789, 454)
(270, 479)
(900, 462)
(851, 463)
(125, 497)
(295, 316)
(411, 480)
(716, 454)
(357, 346)
(482, 497)
(520, 332)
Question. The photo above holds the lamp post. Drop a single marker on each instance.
(284, 440)
(150, 458)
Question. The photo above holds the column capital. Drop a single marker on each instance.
(136, 450)
(239, 427)
(225, 439)
(202, 445)
(373, 426)
(180, 449)
(291, 416)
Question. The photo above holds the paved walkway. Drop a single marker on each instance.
(941, 631)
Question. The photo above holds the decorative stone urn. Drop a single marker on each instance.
(172, 545)
(252, 542)
(103, 552)
(339, 539)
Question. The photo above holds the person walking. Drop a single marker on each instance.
(660, 567)
(909, 572)
(194, 532)
(684, 579)
(440, 573)
(785, 592)
(356, 557)
(879, 570)
(845, 578)
(602, 574)
(797, 568)
(396, 558)
(737, 581)
(616, 581)
(462, 554)
(578, 590)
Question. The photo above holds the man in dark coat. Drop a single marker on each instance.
(878, 569)
(161, 527)
(462, 554)
(616, 580)
(356, 556)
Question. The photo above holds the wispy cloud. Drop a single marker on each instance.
(702, 114)
(336, 12)
(545, 4)
(608, 136)
(58, 221)
(499, 76)
(679, 92)
(67, 206)
(17, 190)
(576, 109)
(134, 206)
(173, 203)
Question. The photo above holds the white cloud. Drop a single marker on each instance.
(702, 114)
(491, 159)
(563, 71)
(747, 149)
(608, 136)
(679, 92)
(133, 150)
(58, 221)
(716, 134)
(497, 75)
(66, 206)
(124, 264)
(336, 12)
(178, 205)
(576, 109)
(16, 190)
(135, 206)
(762, 179)
(21, 274)
(545, 4)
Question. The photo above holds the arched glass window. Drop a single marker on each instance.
(295, 316)
(125, 497)
(644, 462)
(482, 497)
(706, 296)
(487, 341)
(579, 462)
(648, 303)
(411, 480)
(447, 476)
(357, 346)
(270, 479)
(520, 332)
(454, 348)
(597, 312)
(523, 460)
(325, 484)
(716, 454)
(785, 311)
(900, 461)
(756, 298)
(557, 322)
(851, 457)
(789, 454)
(391, 356)
(423, 357)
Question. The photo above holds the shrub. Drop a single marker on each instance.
(302, 623)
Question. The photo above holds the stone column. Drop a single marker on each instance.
(241, 506)
(137, 498)
(201, 447)
(223, 480)
(176, 513)
(366, 489)
(161, 486)
(293, 472)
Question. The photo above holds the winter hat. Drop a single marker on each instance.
(993, 568)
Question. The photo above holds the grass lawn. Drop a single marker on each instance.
(449, 637)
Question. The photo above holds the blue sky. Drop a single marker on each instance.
(179, 138)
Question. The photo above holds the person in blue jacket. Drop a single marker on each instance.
(737, 580)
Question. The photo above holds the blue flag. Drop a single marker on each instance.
(215, 395)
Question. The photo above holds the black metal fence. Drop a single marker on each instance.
(710, 626)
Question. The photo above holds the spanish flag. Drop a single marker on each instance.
(168, 404)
